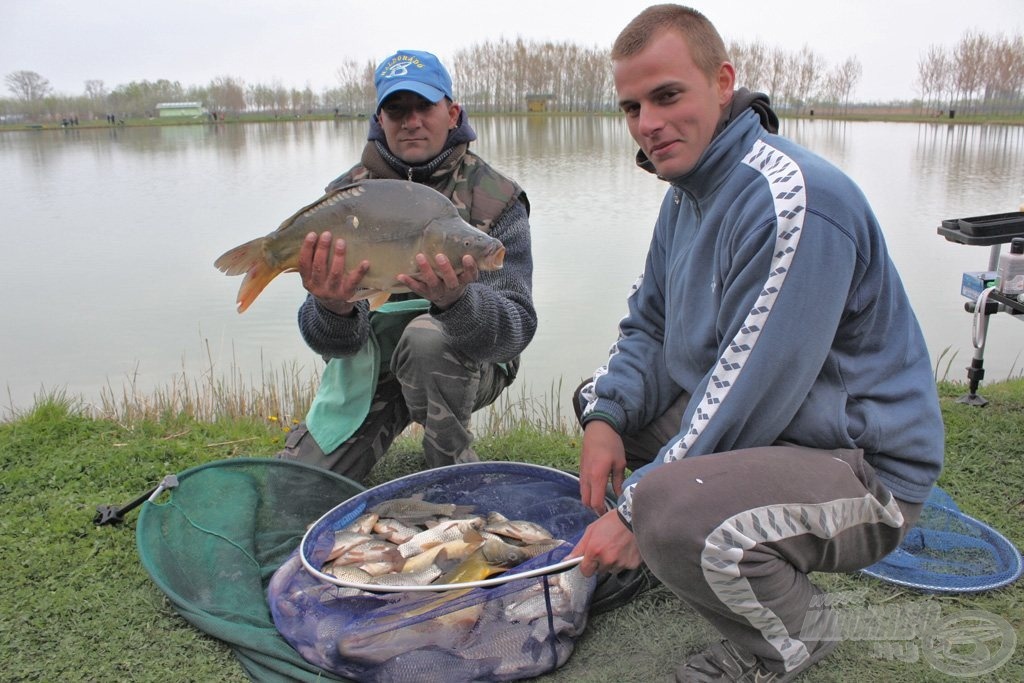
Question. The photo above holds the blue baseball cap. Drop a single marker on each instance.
(420, 72)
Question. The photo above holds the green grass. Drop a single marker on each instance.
(77, 605)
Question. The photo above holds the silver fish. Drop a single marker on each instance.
(383, 567)
(345, 541)
(332, 593)
(420, 578)
(534, 606)
(363, 524)
(449, 530)
(451, 551)
(347, 572)
(506, 554)
(447, 632)
(414, 510)
(373, 550)
(512, 646)
(577, 587)
(394, 530)
(521, 530)
(567, 593)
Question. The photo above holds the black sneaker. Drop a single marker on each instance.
(615, 590)
(725, 663)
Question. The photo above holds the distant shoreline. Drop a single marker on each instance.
(879, 114)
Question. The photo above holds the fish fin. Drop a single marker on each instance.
(427, 545)
(472, 536)
(258, 277)
(446, 564)
(240, 259)
(415, 562)
(377, 298)
(441, 558)
(463, 510)
(495, 520)
(248, 258)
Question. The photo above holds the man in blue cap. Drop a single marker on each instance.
(453, 345)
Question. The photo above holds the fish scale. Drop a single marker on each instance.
(450, 530)
(394, 530)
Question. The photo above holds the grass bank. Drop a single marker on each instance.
(78, 606)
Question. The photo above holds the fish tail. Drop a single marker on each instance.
(462, 510)
(248, 258)
(240, 259)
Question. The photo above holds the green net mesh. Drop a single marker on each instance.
(213, 543)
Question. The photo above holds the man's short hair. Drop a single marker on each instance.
(706, 46)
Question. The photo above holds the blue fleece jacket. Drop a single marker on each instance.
(769, 297)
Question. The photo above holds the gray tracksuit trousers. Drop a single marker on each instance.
(735, 534)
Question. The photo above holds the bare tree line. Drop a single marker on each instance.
(795, 80)
(35, 99)
(980, 74)
(499, 76)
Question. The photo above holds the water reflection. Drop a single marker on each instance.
(827, 137)
(989, 152)
(110, 235)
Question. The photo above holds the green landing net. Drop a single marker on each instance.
(212, 544)
(224, 545)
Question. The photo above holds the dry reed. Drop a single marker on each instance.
(282, 396)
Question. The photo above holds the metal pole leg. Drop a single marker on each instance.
(976, 370)
(975, 373)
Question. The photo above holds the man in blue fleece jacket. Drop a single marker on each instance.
(770, 389)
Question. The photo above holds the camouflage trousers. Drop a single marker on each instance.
(427, 382)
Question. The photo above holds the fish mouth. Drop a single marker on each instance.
(495, 258)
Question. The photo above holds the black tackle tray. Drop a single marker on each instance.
(995, 228)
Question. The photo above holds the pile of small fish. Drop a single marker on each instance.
(412, 542)
(520, 631)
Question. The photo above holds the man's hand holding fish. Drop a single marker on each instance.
(324, 275)
(440, 284)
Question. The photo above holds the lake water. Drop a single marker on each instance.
(109, 237)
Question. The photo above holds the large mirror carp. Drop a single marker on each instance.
(385, 222)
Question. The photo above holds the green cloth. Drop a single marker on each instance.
(347, 386)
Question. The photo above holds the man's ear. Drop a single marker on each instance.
(726, 83)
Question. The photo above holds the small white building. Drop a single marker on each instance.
(170, 110)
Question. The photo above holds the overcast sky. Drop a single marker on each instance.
(300, 42)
